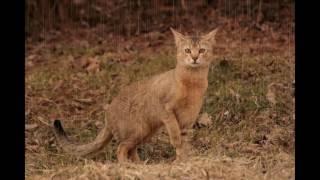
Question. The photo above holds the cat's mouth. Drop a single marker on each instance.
(194, 64)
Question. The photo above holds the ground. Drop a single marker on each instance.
(246, 129)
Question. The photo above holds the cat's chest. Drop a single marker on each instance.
(190, 99)
(190, 96)
(188, 107)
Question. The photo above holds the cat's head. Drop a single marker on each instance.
(194, 51)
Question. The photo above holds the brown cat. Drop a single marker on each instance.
(173, 99)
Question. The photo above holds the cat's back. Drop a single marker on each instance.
(145, 88)
(140, 100)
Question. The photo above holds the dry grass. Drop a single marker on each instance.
(195, 168)
(250, 101)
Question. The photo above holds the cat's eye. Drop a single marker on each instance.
(202, 50)
(187, 51)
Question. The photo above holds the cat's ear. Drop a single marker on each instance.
(178, 37)
(211, 36)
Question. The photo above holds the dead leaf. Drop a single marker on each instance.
(83, 62)
(41, 119)
(205, 119)
(88, 100)
(231, 145)
(29, 64)
(251, 148)
(31, 57)
(33, 148)
(84, 44)
(204, 140)
(30, 127)
(105, 107)
(76, 105)
(271, 97)
(98, 124)
(58, 85)
(93, 65)
(235, 94)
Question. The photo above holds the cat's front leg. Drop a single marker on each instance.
(186, 135)
(185, 151)
(174, 132)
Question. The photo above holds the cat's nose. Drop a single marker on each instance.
(195, 58)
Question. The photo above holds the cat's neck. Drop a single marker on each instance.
(192, 76)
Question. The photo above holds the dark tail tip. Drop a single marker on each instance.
(58, 127)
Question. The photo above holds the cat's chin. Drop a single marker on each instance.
(194, 65)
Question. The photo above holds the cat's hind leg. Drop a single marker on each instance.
(123, 151)
(134, 156)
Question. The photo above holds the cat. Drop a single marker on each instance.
(172, 99)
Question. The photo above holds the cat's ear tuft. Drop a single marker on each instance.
(211, 36)
(178, 37)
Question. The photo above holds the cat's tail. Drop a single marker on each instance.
(100, 141)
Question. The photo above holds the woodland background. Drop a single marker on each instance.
(79, 53)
